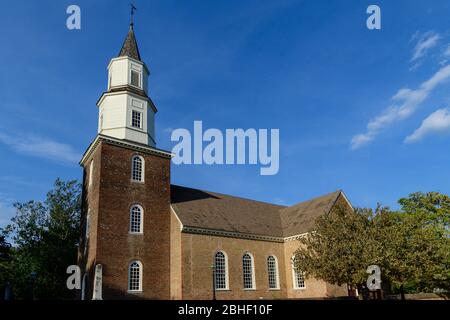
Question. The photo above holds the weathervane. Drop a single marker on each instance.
(133, 8)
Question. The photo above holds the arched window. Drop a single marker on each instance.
(83, 287)
(86, 231)
(221, 271)
(135, 276)
(248, 271)
(91, 172)
(297, 276)
(137, 169)
(272, 271)
(136, 217)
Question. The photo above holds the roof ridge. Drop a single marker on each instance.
(337, 192)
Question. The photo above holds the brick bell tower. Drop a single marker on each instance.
(126, 190)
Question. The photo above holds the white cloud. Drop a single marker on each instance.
(438, 121)
(41, 147)
(427, 41)
(406, 102)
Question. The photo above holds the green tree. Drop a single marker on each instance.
(426, 225)
(5, 263)
(411, 246)
(45, 236)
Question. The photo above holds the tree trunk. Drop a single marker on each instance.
(402, 292)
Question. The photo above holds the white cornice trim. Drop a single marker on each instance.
(128, 58)
(124, 91)
(296, 237)
(239, 235)
(346, 199)
(230, 234)
(124, 144)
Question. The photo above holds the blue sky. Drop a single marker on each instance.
(359, 110)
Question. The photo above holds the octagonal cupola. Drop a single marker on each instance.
(125, 109)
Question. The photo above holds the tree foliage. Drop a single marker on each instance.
(5, 265)
(410, 245)
(337, 251)
(45, 237)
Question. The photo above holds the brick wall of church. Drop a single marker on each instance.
(90, 203)
(176, 269)
(198, 257)
(313, 288)
(116, 247)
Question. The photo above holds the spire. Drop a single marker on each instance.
(130, 47)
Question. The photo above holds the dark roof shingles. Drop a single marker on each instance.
(210, 210)
(300, 218)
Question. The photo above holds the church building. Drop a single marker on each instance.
(145, 238)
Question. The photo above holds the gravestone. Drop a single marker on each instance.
(97, 295)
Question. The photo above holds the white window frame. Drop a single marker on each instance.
(140, 276)
(83, 287)
(227, 284)
(142, 168)
(252, 270)
(88, 216)
(295, 275)
(87, 226)
(141, 222)
(277, 275)
(141, 119)
(91, 172)
(139, 74)
(138, 70)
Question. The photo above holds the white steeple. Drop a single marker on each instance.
(125, 110)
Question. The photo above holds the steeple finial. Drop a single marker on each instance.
(133, 8)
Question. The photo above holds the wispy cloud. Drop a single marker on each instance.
(406, 102)
(445, 55)
(438, 121)
(40, 147)
(424, 43)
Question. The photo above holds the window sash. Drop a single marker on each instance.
(135, 78)
(272, 273)
(136, 119)
(247, 270)
(136, 171)
(136, 220)
(298, 277)
(220, 271)
(135, 277)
